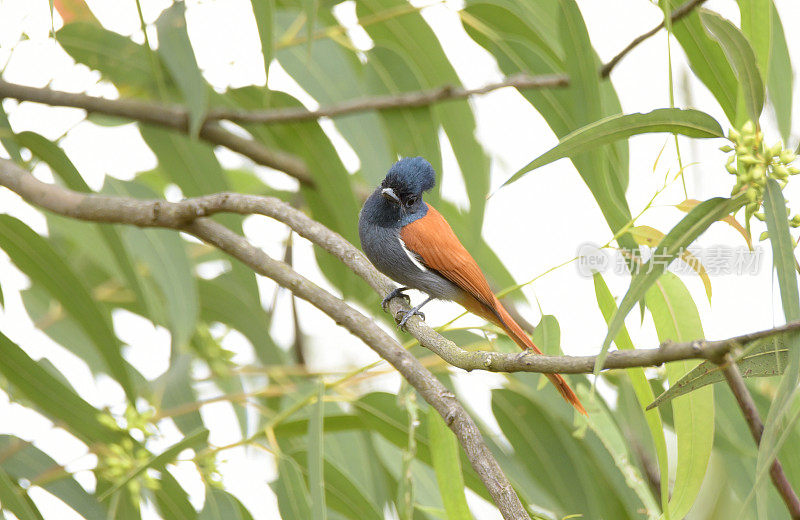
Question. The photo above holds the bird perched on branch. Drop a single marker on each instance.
(409, 241)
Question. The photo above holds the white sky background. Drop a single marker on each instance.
(551, 210)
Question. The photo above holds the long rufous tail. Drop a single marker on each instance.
(515, 332)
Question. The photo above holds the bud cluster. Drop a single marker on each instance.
(219, 359)
(117, 461)
(754, 162)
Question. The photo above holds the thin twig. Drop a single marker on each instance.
(413, 99)
(753, 420)
(677, 14)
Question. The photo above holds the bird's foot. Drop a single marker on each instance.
(394, 294)
(406, 315)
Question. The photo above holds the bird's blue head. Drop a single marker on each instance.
(398, 200)
(410, 177)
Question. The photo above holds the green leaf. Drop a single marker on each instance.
(524, 38)
(116, 57)
(176, 50)
(316, 478)
(14, 499)
(172, 500)
(163, 254)
(780, 77)
(190, 164)
(221, 301)
(603, 425)
(380, 413)
(689, 122)
(37, 259)
(764, 360)
(22, 460)
(585, 102)
(641, 387)
(291, 490)
(741, 58)
(174, 389)
(5, 137)
(579, 60)
(756, 22)
(678, 238)
(159, 461)
(52, 397)
(264, 11)
(354, 451)
(335, 206)
(782, 249)
(706, 58)
(412, 131)
(342, 494)
(310, 10)
(565, 466)
(446, 462)
(221, 505)
(333, 74)
(676, 319)
(784, 261)
(412, 36)
(63, 167)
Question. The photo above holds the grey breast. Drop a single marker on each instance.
(385, 249)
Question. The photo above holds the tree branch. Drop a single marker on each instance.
(187, 217)
(751, 416)
(168, 116)
(176, 117)
(176, 215)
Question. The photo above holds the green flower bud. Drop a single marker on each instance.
(780, 171)
(775, 150)
(792, 170)
(763, 236)
(787, 156)
(734, 134)
(760, 216)
(742, 150)
(750, 159)
(795, 222)
(752, 194)
(748, 128)
(726, 148)
(758, 172)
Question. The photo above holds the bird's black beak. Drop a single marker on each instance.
(390, 195)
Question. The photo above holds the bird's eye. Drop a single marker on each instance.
(410, 201)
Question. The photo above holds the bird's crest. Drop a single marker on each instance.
(410, 175)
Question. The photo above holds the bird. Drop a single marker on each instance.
(406, 239)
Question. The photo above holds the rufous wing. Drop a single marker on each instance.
(432, 239)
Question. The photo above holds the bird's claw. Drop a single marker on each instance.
(406, 315)
(394, 294)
